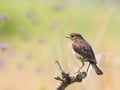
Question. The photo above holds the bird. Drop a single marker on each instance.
(84, 52)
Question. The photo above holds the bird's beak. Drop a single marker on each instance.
(67, 37)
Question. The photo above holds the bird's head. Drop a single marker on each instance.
(75, 36)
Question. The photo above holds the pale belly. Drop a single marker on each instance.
(79, 57)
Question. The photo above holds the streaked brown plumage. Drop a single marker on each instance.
(84, 52)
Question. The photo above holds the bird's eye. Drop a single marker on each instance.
(72, 35)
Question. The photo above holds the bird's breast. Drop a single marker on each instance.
(77, 55)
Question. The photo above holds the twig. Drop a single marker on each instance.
(66, 79)
(59, 66)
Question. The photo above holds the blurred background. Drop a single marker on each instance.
(32, 38)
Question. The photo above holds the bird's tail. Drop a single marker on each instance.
(96, 68)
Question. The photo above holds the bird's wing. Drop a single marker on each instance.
(84, 49)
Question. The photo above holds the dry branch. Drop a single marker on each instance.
(67, 79)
